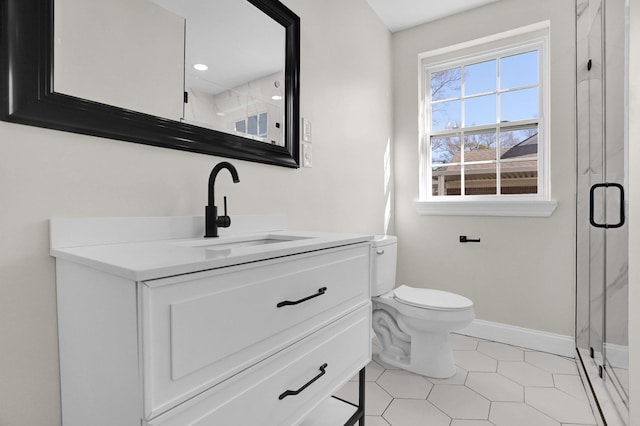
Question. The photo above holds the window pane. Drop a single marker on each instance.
(480, 179)
(519, 143)
(480, 78)
(445, 84)
(446, 180)
(445, 150)
(519, 161)
(480, 110)
(519, 70)
(519, 177)
(252, 125)
(480, 163)
(480, 147)
(241, 126)
(262, 124)
(446, 115)
(519, 105)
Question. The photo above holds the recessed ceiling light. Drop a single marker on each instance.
(276, 97)
(201, 67)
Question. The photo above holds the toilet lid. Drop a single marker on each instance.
(431, 299)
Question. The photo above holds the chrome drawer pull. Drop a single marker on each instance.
(320, 292)
(287, 393)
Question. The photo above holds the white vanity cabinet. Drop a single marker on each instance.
(258, 395)
(263, 342)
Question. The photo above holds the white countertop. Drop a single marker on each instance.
(147, 260)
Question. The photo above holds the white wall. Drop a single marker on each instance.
(345, 92)
(634, 214)
(522, 273)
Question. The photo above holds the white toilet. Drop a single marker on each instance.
(413, 324)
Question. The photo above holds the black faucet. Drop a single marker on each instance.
(211, 220)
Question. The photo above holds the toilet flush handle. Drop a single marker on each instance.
(380, 251)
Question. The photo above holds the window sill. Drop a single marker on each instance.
(505, 208)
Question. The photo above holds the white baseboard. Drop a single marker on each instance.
(617, 355)
(524, 337)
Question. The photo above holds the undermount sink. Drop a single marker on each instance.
(238, 242)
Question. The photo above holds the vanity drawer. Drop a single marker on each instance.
(257, 395)
(199, 329)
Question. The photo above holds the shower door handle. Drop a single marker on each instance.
(591, 205)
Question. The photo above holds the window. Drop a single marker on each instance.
(484, 137)
(256, 125)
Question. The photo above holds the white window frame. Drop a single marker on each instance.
(532, 37)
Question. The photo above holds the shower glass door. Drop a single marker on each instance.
(602, 236)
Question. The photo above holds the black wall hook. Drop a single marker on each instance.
(464, 239)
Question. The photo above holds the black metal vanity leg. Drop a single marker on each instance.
(361, 383)
(358, 416)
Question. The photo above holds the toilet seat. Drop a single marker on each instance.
(431, 299)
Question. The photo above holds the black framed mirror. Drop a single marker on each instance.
(28, 95)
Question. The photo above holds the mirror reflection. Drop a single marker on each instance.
(234, 67)
(217, 64)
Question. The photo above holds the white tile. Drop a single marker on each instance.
(373, 371)
(403, 384)
(551, 363)
(384, 365)
(376, 399)
(375, 421)
(525, 374)
(495, 387)
(501, 352)
(457, 379)
(572, 385)
(348, 392)
(488, 389)
(559, 405)
(459, 402)
(463, 343)
(414, 412)
(518, 414)
(474, 361)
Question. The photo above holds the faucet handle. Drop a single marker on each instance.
(224, 221)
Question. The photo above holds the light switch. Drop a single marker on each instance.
(306, 130)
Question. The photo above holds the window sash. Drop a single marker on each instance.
(497, 159)
(497, 127)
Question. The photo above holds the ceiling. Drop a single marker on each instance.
(402, 14)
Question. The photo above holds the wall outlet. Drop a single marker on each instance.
(307, 155)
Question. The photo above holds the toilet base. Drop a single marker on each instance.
(417, 339)
(431, 356)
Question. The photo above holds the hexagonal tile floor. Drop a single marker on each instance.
(496, 385)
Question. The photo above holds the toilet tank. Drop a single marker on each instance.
(384, 253)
